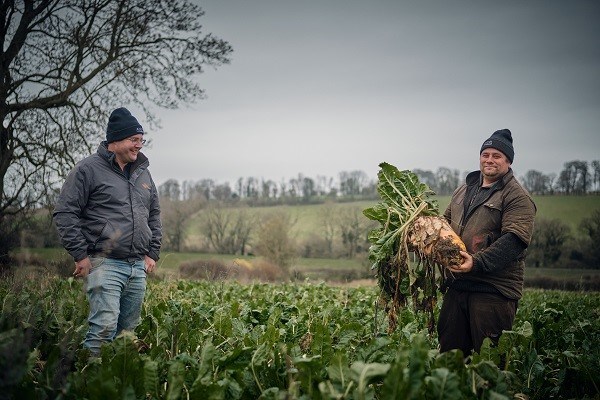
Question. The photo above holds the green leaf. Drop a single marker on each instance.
(321, 343)
(14, 354)
(378, 212)
(407, 372)
(452, 360)
(175, 380)
(338, 369)
(204, 375)
(443, 384)
(151, 378)
(310, 372)
(364, 374)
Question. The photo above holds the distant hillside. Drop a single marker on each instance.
(310, 218)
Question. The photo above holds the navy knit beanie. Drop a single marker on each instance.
(501, 140)
(121, 125)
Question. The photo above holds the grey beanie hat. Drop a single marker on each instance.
(121, 125)
(501, 140)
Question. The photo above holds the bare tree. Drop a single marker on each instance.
(170, 190)
(283, 188)
(537, 183)
(595, 184)
(239, 187)
(353, 182)
(308, 188)
(573, 179)
(252, 188)
(328, 217)
(228, 231)
(274, 240)
(65, 64)
(175, 215)
(294, 188)
(222, 192)
(447, 180)
(428, 178)
(324, 185)
(353, 227)
(268, 189)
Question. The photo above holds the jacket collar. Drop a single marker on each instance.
(109, 156)
(475, 178)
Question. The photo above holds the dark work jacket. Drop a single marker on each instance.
(100, 211)
(507, 208)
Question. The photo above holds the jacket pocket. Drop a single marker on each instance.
(108, 239)
(95, 233)
(494, 213)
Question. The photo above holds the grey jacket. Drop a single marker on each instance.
(101, 212)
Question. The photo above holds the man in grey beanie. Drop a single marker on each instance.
(493, 214)
(108, 218)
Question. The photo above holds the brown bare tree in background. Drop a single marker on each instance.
(66, 64)
(353, 228)
(274, 240)
(596, 175)
(175, 216)
(328, 218)
(537, 182)
(574, 178)
(228, 231)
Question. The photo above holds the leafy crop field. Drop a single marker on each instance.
(200, 340)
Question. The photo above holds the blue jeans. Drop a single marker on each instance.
(115, 291)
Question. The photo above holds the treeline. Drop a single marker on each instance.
(577, 178)
(350, 185)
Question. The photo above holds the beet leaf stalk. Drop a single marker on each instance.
(410, 224)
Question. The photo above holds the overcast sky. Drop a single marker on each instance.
(322, 86)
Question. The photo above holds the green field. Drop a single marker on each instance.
(294, 340)
(223, 340)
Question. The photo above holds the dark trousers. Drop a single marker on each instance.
(467, 318)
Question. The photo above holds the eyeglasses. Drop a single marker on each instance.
(137, 141)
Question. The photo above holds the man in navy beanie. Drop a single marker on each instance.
(493, 214)
(108, 218)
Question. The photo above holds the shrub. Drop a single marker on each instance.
(548, 242)
(240, 269)
(590, 226)
(209, 270)
(586, 283)
(266, 271)
(315, 247)
(62, 267)
(274, 240)
(26, 258)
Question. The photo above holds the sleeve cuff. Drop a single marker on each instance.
(476, 264)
